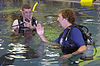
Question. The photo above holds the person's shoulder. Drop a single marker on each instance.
(75, 30)
(16, 20)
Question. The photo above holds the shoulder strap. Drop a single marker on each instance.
(34, 21)
(21, 24)
(20, 20)
(67, 35)
(61, 40)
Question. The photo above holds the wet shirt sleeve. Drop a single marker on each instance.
(76, 36)
(57, 40)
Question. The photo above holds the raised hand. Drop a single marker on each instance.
(40, 30)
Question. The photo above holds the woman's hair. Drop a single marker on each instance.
(25, 6)
(68, 14)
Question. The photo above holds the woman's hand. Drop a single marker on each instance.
(40, 30)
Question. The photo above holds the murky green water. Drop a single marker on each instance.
(21, 51)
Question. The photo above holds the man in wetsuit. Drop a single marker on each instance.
(66, 19)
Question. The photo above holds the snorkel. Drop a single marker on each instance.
(35, 6)
(33, 9)
(28, 14)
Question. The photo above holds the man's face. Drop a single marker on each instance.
(60, 19)
(27, 13)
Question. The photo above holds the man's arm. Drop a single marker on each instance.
(82, 49)
(40, 32)
(44, 39)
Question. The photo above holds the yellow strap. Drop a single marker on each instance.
(34, 6)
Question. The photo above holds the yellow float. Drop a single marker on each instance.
(86, 2)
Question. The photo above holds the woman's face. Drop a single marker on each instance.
(27, 13)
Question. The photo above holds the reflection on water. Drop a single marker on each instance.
(51, 56)
(30, 51)
(1, 42)
(17, 51)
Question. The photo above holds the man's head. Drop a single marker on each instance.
(26, 11)
(65, 16)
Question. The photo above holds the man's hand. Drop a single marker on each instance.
(66, 56)
(40, 30)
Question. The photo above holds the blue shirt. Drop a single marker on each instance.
(75, 36)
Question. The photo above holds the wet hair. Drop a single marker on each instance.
(25, 6)
(68, 14)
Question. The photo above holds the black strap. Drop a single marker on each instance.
(21, 24)
(66, 36)
(34, 21)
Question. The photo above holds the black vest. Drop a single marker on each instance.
(21, 24)
(69, 48)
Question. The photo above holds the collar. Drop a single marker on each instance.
(67, 28)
